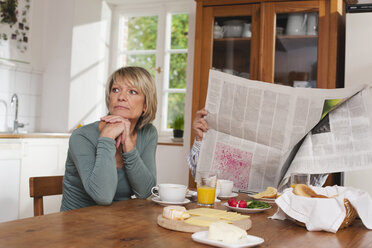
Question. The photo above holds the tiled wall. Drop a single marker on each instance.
(27, 84)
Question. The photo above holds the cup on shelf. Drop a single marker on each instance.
(233, 28)
(279, 30)
(169, 192)
(206, 188)
(312, 24)
(247, 32)
(218, 31)
(296, 24)
(229, 71)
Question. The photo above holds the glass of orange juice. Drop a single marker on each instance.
(206, 188)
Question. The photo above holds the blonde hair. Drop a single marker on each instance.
(142, 80)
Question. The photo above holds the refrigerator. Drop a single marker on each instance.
(358, 70)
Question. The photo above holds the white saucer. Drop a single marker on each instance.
(246, 210)
(226, 197)
(247, 241)
(164, 203)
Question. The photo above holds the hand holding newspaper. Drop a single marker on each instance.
(260, 132)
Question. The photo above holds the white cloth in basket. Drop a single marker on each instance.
(324, 214)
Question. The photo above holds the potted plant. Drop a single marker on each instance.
(178, 126)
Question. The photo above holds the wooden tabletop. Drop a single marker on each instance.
(132, 223)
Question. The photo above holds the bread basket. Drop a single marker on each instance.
(350, 216)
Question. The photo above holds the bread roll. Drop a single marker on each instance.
(270, 192)
(304, 190)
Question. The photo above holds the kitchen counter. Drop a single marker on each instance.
(33, 135)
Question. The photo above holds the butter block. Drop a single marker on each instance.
(175, 213)
(225, 232)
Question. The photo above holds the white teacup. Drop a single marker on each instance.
(226, 187)
(168, 192)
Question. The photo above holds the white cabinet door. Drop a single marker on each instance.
(9, 189)
(41, 157)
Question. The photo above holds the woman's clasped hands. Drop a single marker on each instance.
(118, 128)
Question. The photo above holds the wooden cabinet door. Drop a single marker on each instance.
(294, 54)
(210, 53)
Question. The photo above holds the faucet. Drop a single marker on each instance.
(16, 124)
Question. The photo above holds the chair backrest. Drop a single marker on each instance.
(43, 186)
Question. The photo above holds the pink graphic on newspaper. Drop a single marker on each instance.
(233, 164)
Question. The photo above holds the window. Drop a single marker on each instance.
(156, 39)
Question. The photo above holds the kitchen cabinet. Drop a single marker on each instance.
(10, 164)
(9, 189)
(21, 159)
(41, 157)
(295, 43)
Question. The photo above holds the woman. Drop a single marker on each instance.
(114, 158)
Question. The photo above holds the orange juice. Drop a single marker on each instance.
(206, 195)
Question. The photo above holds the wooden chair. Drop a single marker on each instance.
(44, 186)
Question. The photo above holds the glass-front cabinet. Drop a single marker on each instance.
(294, 43)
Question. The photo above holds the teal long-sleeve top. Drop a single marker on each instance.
(91, 176)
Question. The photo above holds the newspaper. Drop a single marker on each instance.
(259, 133)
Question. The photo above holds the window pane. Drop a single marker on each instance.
(177, 71)
(176, 106)
(146, 61)
(180, 28)
(142, 32)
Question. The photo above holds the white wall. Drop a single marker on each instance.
(76, 51)
(89, 61)
(58, 19)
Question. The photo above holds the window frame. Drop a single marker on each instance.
(164, 11)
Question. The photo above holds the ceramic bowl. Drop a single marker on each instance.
(233, 28)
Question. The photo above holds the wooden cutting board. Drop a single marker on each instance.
(181, 226)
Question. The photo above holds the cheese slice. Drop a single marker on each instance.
(224, 232)
(175, 213)
(217, 214)
(202, 221)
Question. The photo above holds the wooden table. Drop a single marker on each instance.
(132, 223)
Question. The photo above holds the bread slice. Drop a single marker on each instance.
(270, 192)
(304, 190)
